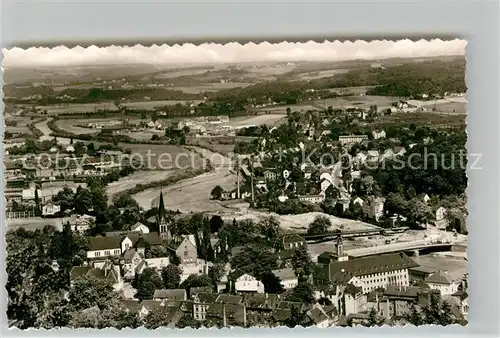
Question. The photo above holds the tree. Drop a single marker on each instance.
(187, 320)
(302, 293)
(195, 281)
(272, 284)
(215, 272)
(297, 317)
(156, 251)
(373, 319)
(147, 282)
(89, 291)
(171, 276)
(217, 192)
(319, 226)
(301, 261)
(418, 212)
(254, 260)
(270, 227)
(157, 319)
(395, 204)
(65, 199)
(83, 201)
(216, 223)
(436, 313)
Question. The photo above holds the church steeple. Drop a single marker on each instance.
(162, 219)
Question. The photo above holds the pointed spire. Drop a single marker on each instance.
(161, 207)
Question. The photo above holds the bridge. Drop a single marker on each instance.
(413, 248)
(332, 235)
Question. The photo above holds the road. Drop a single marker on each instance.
(379, 249)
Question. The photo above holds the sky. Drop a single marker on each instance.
(231, 52)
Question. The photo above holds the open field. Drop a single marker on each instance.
(212, 144)
(164, 157)
(432, 119)
(193, 194)
(354, 90)
(320, 74)
(452, 108)
(77, 108)
(183, 72)
(211, 87)
(144, 135)
(153, 104)
(139, 177)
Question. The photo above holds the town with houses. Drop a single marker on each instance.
(320, 215)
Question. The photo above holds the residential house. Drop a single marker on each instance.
(440, 213)
(361, 157)
(318, 316)
(343, 204)
(443, 282)
(157, 263)
(287, 277)
(201, 302)
(378, 134)
(419, 273)
(354, 300)
(397, 301)
(313, 199)
(82, 223)
(130, 260)
(308, 172)
(102, 247)
(139, 227)
(186, 250)
(107, 272)
(293, 241)
(248, 283)
(270, 175)
(175, 294)
(425, 198)
(29, 193)
(50, 209)
(373, 207)
(373, 271)
(260, 183)
(359, 201)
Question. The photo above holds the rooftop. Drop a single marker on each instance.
(284, 274)
(369, 265)
(439, 278)
(177, 294)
